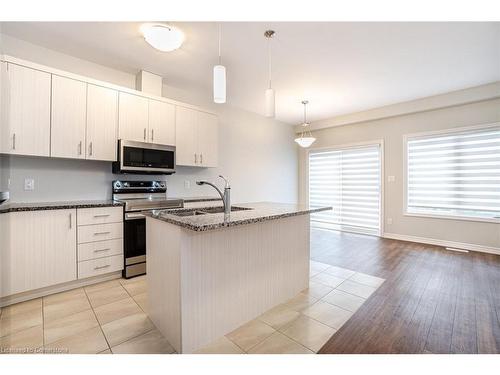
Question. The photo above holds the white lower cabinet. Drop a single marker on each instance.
(40, 250)
(100, 241)
(100, 249)
(100, 266)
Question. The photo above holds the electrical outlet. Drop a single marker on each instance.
(29, 184)
(389, 220)
(391, 178)
(187, 184)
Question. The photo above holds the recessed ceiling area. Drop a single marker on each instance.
(340, 67)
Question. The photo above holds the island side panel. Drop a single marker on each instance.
(230, 276)
(162, 269)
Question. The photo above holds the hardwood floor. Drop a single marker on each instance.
(433, 300)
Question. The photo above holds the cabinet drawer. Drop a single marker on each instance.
(99, 215)
(100, 266)
(100, 249)
(99, 232)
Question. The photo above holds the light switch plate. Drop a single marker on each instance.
(187, 184)
(389, 220)
(391, 178)
(29, 184)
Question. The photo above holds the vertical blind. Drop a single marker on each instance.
(349, 181)
(455, 174)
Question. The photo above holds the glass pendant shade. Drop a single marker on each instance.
(219, 84)
(305, 141)
(270, 103)
(306, 138)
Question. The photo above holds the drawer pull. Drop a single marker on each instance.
(100, 233)
(103, 215)
(102, 267)
(101, 250)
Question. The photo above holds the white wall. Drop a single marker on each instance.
(257, 154)
(391, 130)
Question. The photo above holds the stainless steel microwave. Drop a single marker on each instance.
(144, 158)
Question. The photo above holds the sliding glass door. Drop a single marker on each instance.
(349, 180)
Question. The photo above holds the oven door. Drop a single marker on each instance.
(134, 244)
(139, 157)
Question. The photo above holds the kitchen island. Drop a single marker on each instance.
(208, 276)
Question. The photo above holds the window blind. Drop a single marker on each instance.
(349, 181)
(456, 174)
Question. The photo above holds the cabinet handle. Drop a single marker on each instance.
(101, 267)
(201, 158)
(144, 134)
(152, 135)
(80, 148)
(100, 233)
(101, 250)
(70, 221)
(103, 215)
(195, 158)
(14, 141)
(90, 149)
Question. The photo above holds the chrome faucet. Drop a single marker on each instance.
(226, 196)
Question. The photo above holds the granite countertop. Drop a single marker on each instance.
(258, 212)
(41, 206)
(198, 199)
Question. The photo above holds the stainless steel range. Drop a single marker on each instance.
(139, 197)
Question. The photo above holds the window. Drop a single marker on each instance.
(455, 174)
(348, 180)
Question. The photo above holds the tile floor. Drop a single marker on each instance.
(111, 317)
(306, 322)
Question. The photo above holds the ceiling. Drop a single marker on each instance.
(340, 67)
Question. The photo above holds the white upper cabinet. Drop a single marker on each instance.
(46, 112)
(69, 109)
(25, 112)
(161, 123)
(133, 118)
(196, 138)
(186, 140)
(102, 123)
(208, 139)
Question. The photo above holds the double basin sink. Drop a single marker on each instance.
(206, 211)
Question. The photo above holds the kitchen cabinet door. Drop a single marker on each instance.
(133, 117)
(69, 109)
(161, 123)
(25, 112)
(208, 138)
(186, 138)
(102, 123)
(40, 250)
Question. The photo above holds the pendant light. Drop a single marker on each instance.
(306, 138)
(219, 77)
(270, 100)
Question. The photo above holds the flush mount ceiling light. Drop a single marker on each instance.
(163, 37)
(270, 96)
(219, 77)
(306, 138)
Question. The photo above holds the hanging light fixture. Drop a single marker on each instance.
(219, 77)
(270, 101)
(306, 138)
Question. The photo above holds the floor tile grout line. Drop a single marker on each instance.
(275, 330)
(98, 322)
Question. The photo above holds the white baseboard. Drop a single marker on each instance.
(433, 241)
(25, 296)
